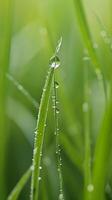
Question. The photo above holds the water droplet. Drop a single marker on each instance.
(32, 167)
(54, 62)
(57, 111)
(35, 151)
(44, 89)
(61, 197)
(40, 167)
(85, 107)
(39, 178)
(56, 84)
(90, 188)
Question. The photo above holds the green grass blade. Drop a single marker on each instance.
(86, 118)
(87, 39)
(5, 39)
(19, 186)
(102, 153)
(84, 29)
(39, 135)
(21, 89)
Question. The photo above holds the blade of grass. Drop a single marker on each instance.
(39, 134)
(86, 117)
(6, 8)
(102, 153)
(22, 90)
(87, 39)
(19, 186)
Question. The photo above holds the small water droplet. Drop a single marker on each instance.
(61, 197)
(32, 167)
(54, 62)
(57, 111)
(35, 151)
(90, 188)
(39, 178)
(56, 84)
(85, 107)
(44, 89)
(40, 167)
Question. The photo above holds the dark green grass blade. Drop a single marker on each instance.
(19, 186)
(102, 153)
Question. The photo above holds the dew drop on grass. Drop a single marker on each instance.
(39, 178)
(32, 168)
(61, 197)
(57, 111)
(40, 167)
(90, 188)
(54, 62)
(56, 84)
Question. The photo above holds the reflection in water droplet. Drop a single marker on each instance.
(54, 62)
(90, 188)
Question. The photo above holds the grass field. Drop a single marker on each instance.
(55, 100)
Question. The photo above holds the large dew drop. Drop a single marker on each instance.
(54, 62)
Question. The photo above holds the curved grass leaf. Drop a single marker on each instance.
(21, 183)
(40, 134)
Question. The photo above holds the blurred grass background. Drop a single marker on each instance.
(29, 31)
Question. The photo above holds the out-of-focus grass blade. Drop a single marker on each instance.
(22, 90)
(87, 39)
(84, 29)
(19, 186)
(102, 153)
(87, 142)
(5, 38)
(71, 152)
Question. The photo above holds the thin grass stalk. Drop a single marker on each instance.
(14, 195)
(57, 133)
(88, 186)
